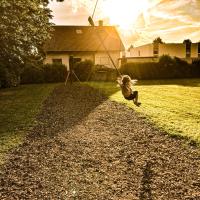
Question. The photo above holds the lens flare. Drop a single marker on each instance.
(124, 12)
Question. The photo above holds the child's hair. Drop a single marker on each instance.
(126, 80)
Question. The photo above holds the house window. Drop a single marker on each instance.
(79, 31)
(155, 49)
(73, 61)
(57, 61)
(77, 60)
(138, 53)
(188, 50)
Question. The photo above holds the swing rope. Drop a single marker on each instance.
(94, 9)
(90, 19)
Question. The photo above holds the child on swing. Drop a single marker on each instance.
(125, 83)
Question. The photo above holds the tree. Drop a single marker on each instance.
(24, 28)
(131, 47)
(187, 41)
(158, 40)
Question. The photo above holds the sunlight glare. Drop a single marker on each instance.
(124, 12)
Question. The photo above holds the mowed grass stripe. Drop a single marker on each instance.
(172, 105)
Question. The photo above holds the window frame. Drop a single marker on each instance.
(57, 61)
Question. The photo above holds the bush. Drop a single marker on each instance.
(54, 73)
(32, 74)
(196, 68)
(182, 68)
(49, 73)
(140, 70)
(103, 73)
(84, 69)
(3, 76)
(167, 67)
(8, 76)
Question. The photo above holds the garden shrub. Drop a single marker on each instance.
(3, 76)
(32, 74)
(195, 68)
(182, 69)
(84, 69)
(48, 73)
(9, 76)
(104, 73)
(54, 73)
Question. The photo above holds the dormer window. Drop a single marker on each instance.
(79, 31)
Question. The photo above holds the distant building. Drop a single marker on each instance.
(82, 42)
(151, 52)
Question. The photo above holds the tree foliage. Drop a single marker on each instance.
(187, 41)
(24, 28)
(158, 40)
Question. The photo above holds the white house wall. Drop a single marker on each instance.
(141, 59)
(63, 56)
(142, 51)
(172, 50)
(102, 58)
(194, 50)
(84, 56)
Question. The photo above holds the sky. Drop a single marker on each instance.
(138, 22)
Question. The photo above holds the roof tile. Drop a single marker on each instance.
(84, 38)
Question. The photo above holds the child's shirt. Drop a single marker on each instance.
(126, 90)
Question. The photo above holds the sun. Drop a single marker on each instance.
(124, 12)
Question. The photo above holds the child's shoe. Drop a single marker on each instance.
(137, 104)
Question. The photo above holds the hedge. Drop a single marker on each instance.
(9, 76)
(48, 73)
(54, 73)
(167, 67)
(84, 69)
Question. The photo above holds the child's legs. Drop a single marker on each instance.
(135, 93)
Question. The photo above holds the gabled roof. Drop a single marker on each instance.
(84, 38)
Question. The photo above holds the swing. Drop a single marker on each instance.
(91, 22)
(134, 95)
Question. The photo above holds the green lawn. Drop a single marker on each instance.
(18, 108)
(172, 105)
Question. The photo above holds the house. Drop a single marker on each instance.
(83, 43)
(151, 52)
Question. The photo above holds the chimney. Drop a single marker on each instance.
(100, 22)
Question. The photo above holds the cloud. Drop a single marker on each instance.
(172, 20)
(70, 12)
